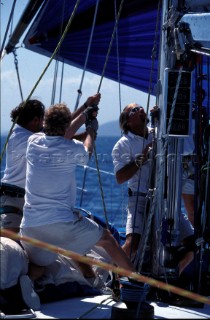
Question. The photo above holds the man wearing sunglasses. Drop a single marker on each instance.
(132, 164)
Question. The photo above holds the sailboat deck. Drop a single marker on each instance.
(92, 308)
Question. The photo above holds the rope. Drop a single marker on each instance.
(118, 64)
(100, 185)
(100, 83)
(45, 69)
(153, 55)
(142, 249)
(110, 45)
(121, 271)
(93, 308)
(83, 184)
(120, 105)
(150, 195)
(87, 56)
(77, 103)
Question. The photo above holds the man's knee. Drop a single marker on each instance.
(106, 239)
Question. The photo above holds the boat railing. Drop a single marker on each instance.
(89, 194)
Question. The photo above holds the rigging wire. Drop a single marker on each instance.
(17, 71)
(42, 74)
(119, 91)
(10, 24)
(118, 63)
(7, 29)
(54, 82)
(57, 61)
(61, 83)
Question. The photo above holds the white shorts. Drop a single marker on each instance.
(135, 215)
(79, 235)
(186, 229)
(135, 222)
(188, 186)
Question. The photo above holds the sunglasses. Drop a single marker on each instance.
(134, 110)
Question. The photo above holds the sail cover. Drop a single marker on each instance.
(130, 58)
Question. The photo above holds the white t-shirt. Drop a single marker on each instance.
(15, 170)
(50, 179)
(125, 151)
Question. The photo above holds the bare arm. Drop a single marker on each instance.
(92, 100)
(89, 141)
(128, 171)
(80, 136)
(74, 126)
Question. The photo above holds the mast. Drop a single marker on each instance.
(164, 197)
(182, 34)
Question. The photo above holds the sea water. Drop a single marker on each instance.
(97, 189)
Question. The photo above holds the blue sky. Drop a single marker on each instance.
(31, 65)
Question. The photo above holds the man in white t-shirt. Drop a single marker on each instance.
(28, 119)
(132, 165)
(48, 213)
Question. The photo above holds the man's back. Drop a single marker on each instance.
(50, 179)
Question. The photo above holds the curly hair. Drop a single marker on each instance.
(26, 111)
(57, 119)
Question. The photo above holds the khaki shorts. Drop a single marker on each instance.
(79, 235)
(14, 262)
(11, 219)
(188, 186)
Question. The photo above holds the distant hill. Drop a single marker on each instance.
(109, 129)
